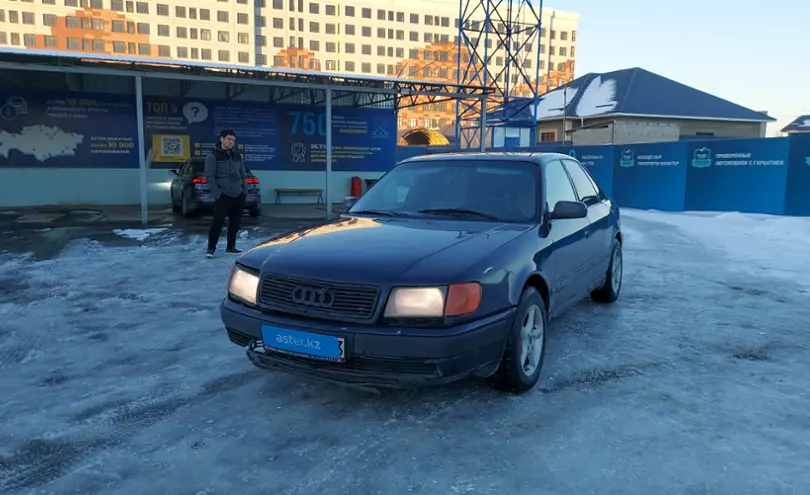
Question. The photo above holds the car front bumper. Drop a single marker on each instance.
(386, 358)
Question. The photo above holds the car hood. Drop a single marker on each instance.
(381, 250)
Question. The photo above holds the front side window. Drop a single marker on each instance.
(557, 185)
(583, 184)
(502, 190)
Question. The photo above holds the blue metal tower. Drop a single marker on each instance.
(498, 47)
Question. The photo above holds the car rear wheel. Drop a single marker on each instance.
(185, 207)
(525, 347)
(610, 290)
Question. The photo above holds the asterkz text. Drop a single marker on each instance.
(306, 343)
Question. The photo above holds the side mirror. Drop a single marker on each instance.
(569, 209)
(173, 171)
(349, 201)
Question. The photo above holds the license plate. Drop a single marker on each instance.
(306, 344)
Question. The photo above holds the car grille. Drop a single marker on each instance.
(349, 301)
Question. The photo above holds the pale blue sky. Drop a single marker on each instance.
(754, 53)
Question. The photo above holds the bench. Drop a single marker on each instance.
(298, 192)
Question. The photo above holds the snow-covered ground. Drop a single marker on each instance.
(116, 377)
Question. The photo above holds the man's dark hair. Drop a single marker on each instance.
(226, 132)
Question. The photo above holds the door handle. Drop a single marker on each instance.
(587, 233)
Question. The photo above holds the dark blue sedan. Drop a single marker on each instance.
(450, 266)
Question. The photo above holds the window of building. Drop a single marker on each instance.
(223, 55)
(573, 35)
(314, 8)
(331, 47)
(223, 36)
(365, 68)
(365, 13)
(164, 51)
(163, 30)
(181, 32)
(349, 47)
(331, 10)
(241, 18)
(144, 49)
(162, 9)
(314, 45)
(243, 38)
(278, 42)
(142, 8)
(348, 66)
(205, 54)
(366, 31)
(330, 29)
(349, 29)
(28, 18)
(180, 12)
(243, 57)
(222, 16)
(413, 36)
(414, 18)
(365, 49)
(349, 11)
(143, 27)
(205, 15)
(278, 4)
(314, 27)
(380, 51)
(331, 65)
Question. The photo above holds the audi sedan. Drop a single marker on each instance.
(450, 266)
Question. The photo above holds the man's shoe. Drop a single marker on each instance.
(210, 253)
(233, 251)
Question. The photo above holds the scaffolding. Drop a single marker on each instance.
(490, 31)
(326, 89)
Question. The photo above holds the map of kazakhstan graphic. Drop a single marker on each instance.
(40, 141)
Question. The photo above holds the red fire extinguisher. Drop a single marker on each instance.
(357, 187)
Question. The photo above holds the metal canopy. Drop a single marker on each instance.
(401, 92)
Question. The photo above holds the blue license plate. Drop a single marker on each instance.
(306, 344)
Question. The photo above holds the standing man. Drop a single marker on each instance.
(226, 177)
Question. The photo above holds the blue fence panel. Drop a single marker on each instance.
(746, 175)
(599, 162)
(797, 194)
(67, 130)
(271, 137)
(650, 176)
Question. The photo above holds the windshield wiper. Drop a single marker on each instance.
(459, 211)
(385, 213)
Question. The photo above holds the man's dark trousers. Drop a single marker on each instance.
(230, 208)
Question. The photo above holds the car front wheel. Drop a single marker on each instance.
(525, 347)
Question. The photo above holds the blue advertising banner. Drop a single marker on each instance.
(650, 176)
(363, 139)
(271, 137)
(67, 130)
(599, 162)
(176, 130)
(797, 194)
(746, 175)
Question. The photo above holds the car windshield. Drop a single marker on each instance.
(503, 190)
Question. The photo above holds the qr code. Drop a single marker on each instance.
(171, 146)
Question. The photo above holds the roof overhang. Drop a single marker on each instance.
(157, 68)
(662, 117)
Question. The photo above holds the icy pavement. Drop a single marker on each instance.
(117, 378)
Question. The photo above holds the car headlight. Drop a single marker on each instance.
(243, 285)
(433, 302)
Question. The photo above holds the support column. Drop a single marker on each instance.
(328, 152)
(484, 122)
(144, 181)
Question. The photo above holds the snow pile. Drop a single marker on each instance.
(777, 246)
(138, 234)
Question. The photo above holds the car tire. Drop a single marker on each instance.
(513, 374)
(254, 212)
(610, 290)
(185, 208)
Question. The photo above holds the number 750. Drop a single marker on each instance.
(307, 123)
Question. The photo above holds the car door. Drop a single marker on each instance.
(599, 237)
(569, 254)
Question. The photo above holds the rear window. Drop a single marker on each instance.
(198, 167)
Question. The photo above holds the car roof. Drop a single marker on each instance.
(534, 157)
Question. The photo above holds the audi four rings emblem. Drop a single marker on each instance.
(313, 296)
